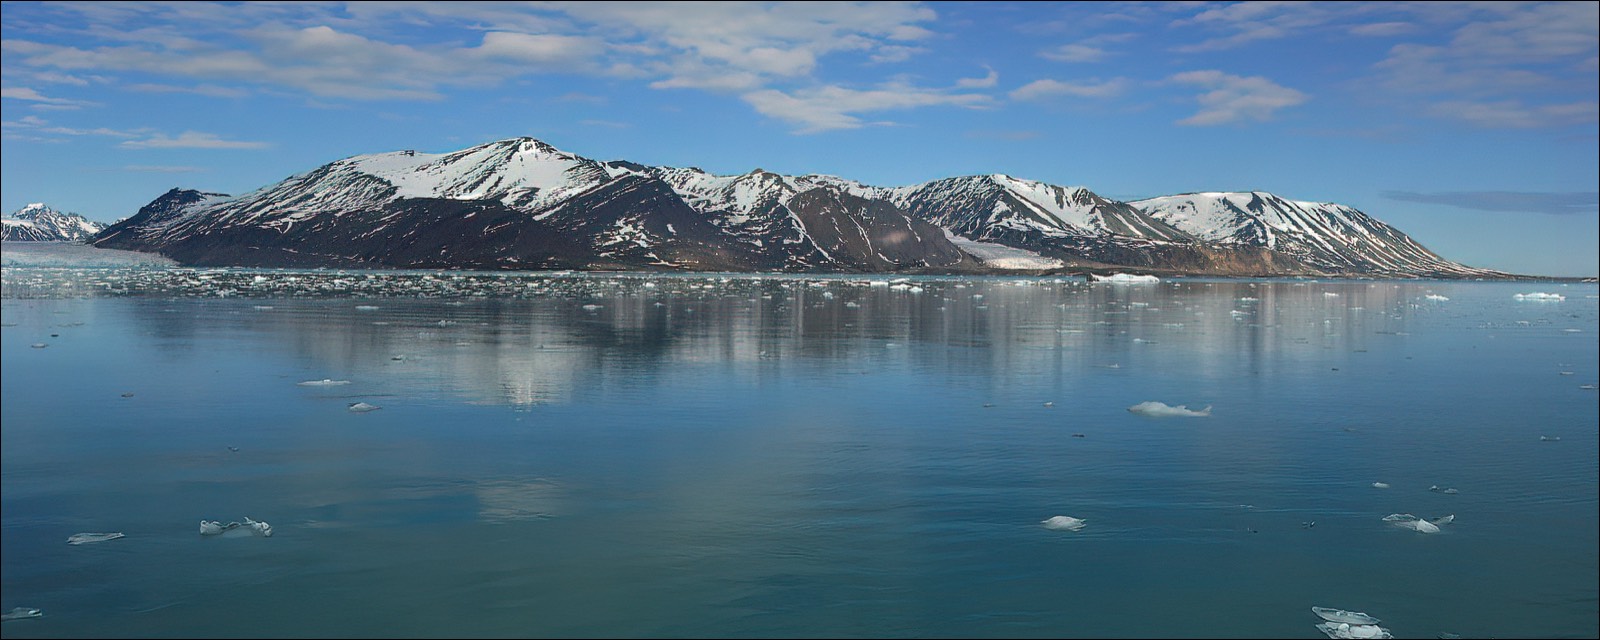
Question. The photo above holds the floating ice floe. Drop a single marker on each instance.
(90, 538)
(1124, 278)
(1549, 438)
(1064, 523)
(1408, 521)
(215, 528)
(1540, 297)
(1342, 630)
(1345, 617)
(591, 307)
(325, 382)
(38, 345)
(362, 407)
(1380, 485)
(1162, 410)
(1438, 489)
(366, 307)
(21, 613)
(1436, 297)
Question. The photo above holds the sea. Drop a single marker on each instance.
(559, 454)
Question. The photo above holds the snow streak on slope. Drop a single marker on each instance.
(1333, 237)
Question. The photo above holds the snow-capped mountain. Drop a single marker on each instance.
(1330, 237)
(39, 223)
(523, 204)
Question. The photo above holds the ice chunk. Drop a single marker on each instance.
(1540, 297)
(1342, 616)
(1549, 438)
(362, 407)
(1064, 523)
(325, 382)
(21, 613)
(1449, 492)
(1408, 521)
(1343, 631)
(1445, 520)
(216, 528)
(1124, 278)
(89, 538)
(1162, 410)
(1380, 485)
(365, 307)
(38, 345)
(1436, 297)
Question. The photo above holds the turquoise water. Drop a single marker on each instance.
(793, 457)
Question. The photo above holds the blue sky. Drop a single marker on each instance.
(1472, 127)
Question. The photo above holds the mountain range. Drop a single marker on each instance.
(39, 223)
(523, 204)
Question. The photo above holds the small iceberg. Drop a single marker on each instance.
(1549, 438)
(1162, 410)
(325, 382)
(366, 307)
(1124, 278)
(1342, 630)
(1380, 485)
(21, 613)
(1540, 297)
(362, 407)
(1449, 492)
(215, 528)
(1436, 297)
(1345, 617)
(1064, 523)
(90, 538)
(1408, 521)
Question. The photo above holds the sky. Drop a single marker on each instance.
(1472, 127)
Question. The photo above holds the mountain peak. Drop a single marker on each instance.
(37, 222)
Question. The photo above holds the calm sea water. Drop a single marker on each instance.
(796, 457)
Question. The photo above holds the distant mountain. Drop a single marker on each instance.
(39, 223)
(1329, 237)
(523, 204)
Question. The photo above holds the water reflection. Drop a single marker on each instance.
(590, 333)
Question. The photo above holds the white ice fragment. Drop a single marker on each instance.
(1445, 520)
(1162, 410)
(591, 307)
(1380, 485)
(89, 538)
(1540, 297)
(1345, 631)
(21, 613)
(1345, 617)
(325, 382)
(216, 528)
(362, 407)
(1408, 521)
(1436, 297)
(365, 307)
(1124, 278)
(38, 345)
(1329, 294)
(1549, 438)
(1064, 523)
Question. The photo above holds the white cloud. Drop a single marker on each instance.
(192, 140)
(1513, 114)
(209, 90)
(832, 107)
(1040, 89)
(1234, 98)
(988, 80)
(30, 95)
(1382, 29)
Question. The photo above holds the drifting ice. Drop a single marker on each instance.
(215, 528)
(1064, 523)
(325, 382)
(21, 613)
(1345, 617)
(1124, 278)
(1162, 410)
(1540, 297)
(1408, 521)
(362, 407)
(87, 538)
(1341, 631)
(1380, 485)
